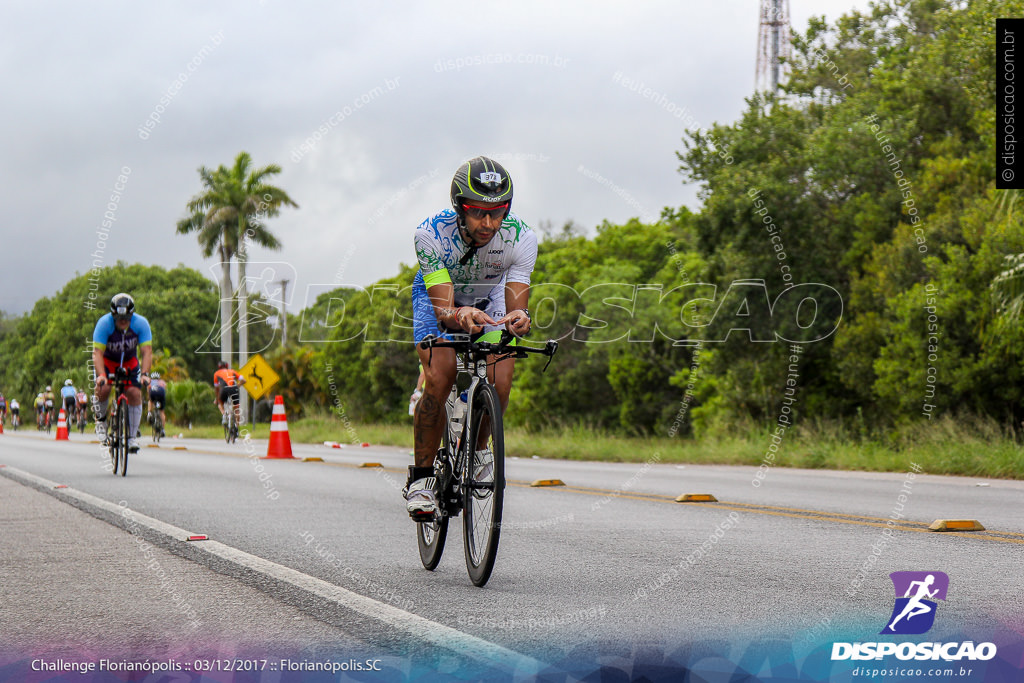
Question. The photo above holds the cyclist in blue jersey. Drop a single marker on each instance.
(68, 399)
(475, 260)
(122, 338)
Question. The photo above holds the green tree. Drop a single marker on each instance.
(54, 340)
(874, 170)
(228, 214)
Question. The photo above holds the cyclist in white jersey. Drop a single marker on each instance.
(475, 260)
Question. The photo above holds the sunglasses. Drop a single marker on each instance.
(478, 212)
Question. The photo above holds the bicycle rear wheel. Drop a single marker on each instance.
(430, 536)
(122, 444)
(484, 485)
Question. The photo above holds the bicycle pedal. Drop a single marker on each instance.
(422, 516)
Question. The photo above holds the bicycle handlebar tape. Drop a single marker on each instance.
(62, 426)
(280, 445)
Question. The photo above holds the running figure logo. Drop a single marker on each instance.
(914, 612)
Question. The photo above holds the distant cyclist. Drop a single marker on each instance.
(39, 404)
(226, 382)
(3, 408)
(69, 399)
(122, 338)
(157, 399)
(49, 401)
(83, 404)
(476, 260)
(15, 412)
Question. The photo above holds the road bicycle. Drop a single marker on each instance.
(81, 419)
(118, 422)
(231, 425)
(470, 465)
(15, 421)
(158, 423)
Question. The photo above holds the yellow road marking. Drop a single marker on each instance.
(777, 511)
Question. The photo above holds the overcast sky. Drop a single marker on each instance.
(404, 95)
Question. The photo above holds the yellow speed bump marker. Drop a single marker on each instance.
(181, 448)
(696, 498)
(548, 482)
(313, 459)
(152, 445)
(371, 464)
(956, 525)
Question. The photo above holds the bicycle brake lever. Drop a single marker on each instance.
(550, 348)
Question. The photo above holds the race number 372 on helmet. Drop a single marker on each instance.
(481, 181)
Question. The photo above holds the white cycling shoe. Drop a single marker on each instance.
(421, 498)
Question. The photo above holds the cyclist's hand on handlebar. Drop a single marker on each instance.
(100, 380)
(516, 322)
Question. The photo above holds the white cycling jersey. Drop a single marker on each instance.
(509, 257)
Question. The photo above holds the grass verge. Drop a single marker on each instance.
(943, 446)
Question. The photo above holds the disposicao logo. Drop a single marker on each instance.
(916, 593)
(914, 613)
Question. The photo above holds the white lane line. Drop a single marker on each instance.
(410, 624)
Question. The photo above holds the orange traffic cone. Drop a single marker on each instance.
(280, 445)
(62, 426)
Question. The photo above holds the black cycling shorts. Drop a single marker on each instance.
(227, 392)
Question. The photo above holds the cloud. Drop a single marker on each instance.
(531, 81)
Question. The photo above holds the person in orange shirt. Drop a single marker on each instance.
(226, 382)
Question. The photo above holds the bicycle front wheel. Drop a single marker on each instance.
(484, 485)
(122, 442)
(113, 440)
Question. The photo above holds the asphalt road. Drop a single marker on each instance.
(606, 568)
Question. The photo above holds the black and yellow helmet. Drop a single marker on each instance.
(481, 181)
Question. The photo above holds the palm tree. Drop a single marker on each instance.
(228, 215)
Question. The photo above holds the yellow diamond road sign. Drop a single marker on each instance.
(259, 378)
